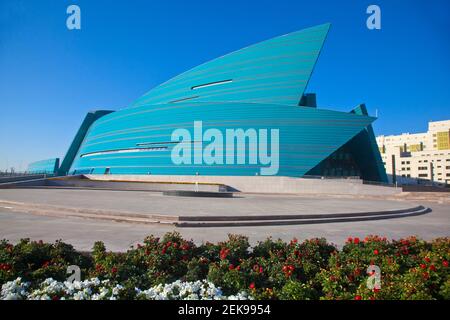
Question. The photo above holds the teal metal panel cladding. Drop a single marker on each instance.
(306, 135)
(258, 87)
(273, 71)
(48, 166)
(78, 139)
(366, 148)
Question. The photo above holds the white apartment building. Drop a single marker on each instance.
(418, 157)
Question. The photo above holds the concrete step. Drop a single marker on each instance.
(101, 214)
(355, 218)
(207, 221)
(297, 216)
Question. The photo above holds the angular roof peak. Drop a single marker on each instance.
(274, 71)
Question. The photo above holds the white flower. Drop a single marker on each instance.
(94, 289)
(14, 290)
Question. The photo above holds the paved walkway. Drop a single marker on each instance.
(82, 233)
(155, 203)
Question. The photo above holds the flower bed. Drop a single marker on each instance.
(175, 268)
(94, 289)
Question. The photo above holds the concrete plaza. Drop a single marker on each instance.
(119, 236)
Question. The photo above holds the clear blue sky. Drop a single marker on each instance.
(50, 76)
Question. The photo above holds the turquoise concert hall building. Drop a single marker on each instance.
(259, 87)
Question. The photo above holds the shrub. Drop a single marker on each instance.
(273, 269)
(294, 290)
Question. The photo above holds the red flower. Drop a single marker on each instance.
(261, 270)
(356, 240)
(349, 240)
(375, 252)
(425, 275)
(252, 285)
(224, 253)
(445, 263)
(238, 268)
(422, 266)
(46, 264)
(231, 267)
(427, 259)
(113, 270)
(432, 267)
(5, 266)
(98, 267)
(358, 297)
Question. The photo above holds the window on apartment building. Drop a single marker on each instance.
(403, 162)
(423, 175)
(408, 169)
(408, 175)
(447, 167)
(423, 168)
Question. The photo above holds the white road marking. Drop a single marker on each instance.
(7, 207)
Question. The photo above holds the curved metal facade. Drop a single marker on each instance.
(258, 87)
(48, 166)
